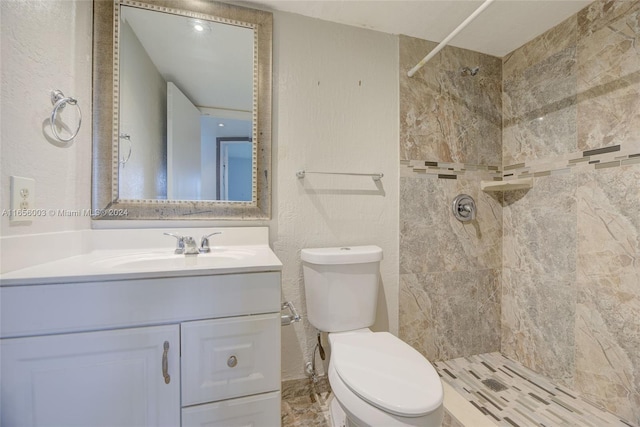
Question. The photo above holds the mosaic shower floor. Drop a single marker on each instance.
(507, 393)
(512, 395)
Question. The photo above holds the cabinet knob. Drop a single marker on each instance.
(232, 361)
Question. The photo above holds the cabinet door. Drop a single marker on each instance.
(108, 378)
(231, 357)
(261, 410)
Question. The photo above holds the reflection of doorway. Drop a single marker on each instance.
(212, 129)
(234, 168)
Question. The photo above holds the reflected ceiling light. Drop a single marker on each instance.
(198, 26)
(221, 125)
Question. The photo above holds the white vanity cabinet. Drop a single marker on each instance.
(190, 351)
(107, 378)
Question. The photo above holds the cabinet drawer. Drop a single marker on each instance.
(259, 410)
(49, 309)
(230, 357)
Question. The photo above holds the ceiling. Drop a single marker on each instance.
(504, 26)
(195, 61)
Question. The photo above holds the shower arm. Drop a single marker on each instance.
(447, 39)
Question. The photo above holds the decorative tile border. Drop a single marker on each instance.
(447, 170)
(601, 158)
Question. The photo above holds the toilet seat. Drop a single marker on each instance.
(386, 373)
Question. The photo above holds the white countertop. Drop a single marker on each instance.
(239, 251)
(99, 266)
(96, 266)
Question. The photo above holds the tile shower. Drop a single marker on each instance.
(549, 277)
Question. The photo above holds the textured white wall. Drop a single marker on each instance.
(45, 45)
(336, 109)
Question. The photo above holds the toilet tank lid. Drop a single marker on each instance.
(342, 255)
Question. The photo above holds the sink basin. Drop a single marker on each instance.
(162, 260)
(131, 254)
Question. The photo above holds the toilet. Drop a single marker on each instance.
(376, 378)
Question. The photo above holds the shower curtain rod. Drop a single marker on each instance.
(447, 39)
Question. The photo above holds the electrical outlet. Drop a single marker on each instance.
(23, 197)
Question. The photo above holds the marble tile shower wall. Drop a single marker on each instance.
(571, 245)
(450, 271)
(549, 276)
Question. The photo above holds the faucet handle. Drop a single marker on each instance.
(180, 243)
(204, 242)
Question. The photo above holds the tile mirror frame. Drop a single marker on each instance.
(106, 204)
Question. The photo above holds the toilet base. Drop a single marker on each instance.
(338, 416)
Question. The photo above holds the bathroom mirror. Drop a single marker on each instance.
(182, 110)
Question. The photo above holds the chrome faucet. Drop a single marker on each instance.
(185, 244)
(190, 247)
(204, 243)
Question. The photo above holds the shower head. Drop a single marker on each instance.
(466, 71)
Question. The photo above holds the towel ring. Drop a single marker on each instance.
(128, 138)
(59, 101)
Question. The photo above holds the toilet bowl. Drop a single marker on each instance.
(379, 380)
(376, 378)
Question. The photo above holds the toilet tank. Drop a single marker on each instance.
(341, 286)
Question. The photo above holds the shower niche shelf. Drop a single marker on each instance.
(513, 184)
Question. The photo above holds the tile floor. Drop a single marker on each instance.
(305, 403)
(504, 391)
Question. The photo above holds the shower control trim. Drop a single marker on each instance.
(464, 208)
